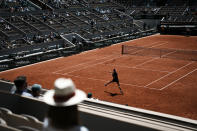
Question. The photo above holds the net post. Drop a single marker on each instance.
(122, 51)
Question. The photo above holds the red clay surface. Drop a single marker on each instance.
(157, 84)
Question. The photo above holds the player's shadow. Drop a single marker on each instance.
(113, 94)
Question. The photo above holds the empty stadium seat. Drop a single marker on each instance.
(27, 128)
(8, 128)
(2, 122)
(16, 120)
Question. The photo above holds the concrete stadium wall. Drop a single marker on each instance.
(22, 105)
(99, 115)
(152, 23)
(5, 86)
(102, 123)
(31, 47)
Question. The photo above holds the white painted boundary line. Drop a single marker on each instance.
(152, 44)
(102, 63)
(105, 61)
(81, 53)
(155, 70)
(178, 79)
(31, 64)
(146, 62)
(162, 43)
(136, 39)
(152, 58)
(152, 70)
(81, 64)
(106, 81)
(169, 74)
(92, 65)
(105, 57)
(138, 68)
(122, 42)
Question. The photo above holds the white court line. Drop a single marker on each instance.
(169, 74)
(152, 70)
(102, 63)
(106, 81)
(136, 39)
(104, 58)
(105, 61)
(101, 59)
(145, 62)
(178, 79)
(138, 68)
(77, 54)
(31, 64)
(92, 65)
(152, 58)
(84, 52)
(151, 44)
(81, 64)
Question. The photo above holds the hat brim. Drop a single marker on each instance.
(77, 98)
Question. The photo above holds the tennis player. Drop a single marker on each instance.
(115, 79)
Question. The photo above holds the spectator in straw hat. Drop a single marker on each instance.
(62, 113)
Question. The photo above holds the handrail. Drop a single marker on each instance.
(38, 7)
(123, 36)
(14, 26)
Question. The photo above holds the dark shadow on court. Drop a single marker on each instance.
(112, 94)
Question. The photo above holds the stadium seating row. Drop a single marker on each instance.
(92, 113)
(33, 31)
(20, 122)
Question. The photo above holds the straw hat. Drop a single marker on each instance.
(64, 93)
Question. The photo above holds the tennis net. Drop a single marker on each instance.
(162, 53)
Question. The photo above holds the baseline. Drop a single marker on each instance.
(134, 67)
(107, 81)
(81, 53)
(178, 79)
(100, 59)
(169, 74)
(82, 64)
(99, 62)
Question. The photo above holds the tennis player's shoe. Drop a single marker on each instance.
(121, 92)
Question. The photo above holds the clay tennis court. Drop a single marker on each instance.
(158, 84)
